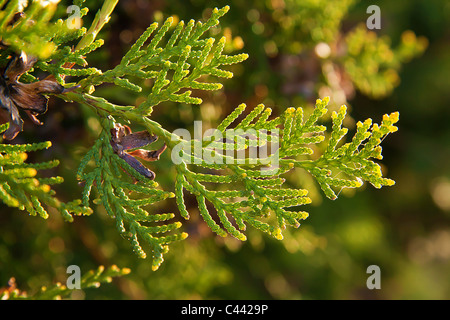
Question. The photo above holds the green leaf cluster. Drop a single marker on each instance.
(173, 58)
(373, 64)
(315, 20)
(58, 291)
(125, 194)
(31, 29)
(20, 187)
(174, 65)
(251, 193)
(235, 180)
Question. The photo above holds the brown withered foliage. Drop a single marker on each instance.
(29, 97)
(122, 140)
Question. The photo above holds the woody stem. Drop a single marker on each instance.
(101, 18)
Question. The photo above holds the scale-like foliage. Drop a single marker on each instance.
(174, 65)
(31, 30)
(235, 179)
(58, 291)
(373, 64)
(21, 188)
(253, 194)
(125, 194)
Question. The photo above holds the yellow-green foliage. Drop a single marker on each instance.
(373, 65)
(179, 58)
(58, 291)
(20, 187)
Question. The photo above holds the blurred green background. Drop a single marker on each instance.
(299, 51)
